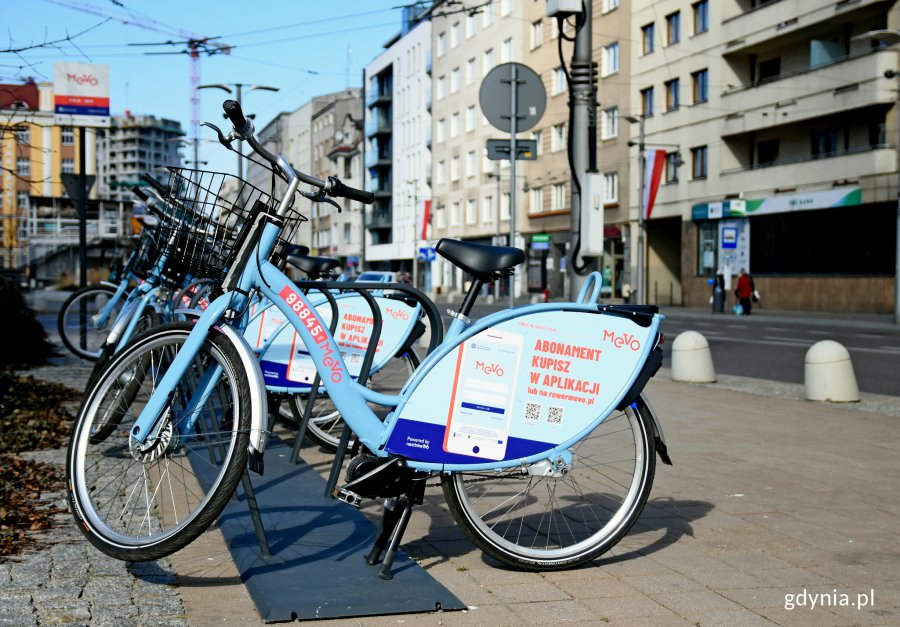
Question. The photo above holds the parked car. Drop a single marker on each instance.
(377, 276)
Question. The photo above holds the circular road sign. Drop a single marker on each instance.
(495, 96)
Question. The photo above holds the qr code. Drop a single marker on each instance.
(554, 415)
(532, 413)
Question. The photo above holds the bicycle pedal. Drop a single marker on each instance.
(351, 498)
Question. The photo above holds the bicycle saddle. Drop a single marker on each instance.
(479, 260)
(313, 267)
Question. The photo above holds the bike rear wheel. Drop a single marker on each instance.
(77, 329)
(541, 518)
(143, 502)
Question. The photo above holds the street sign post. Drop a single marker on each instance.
(513, 99)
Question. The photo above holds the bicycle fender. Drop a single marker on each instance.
(259, 408)
(661, 447)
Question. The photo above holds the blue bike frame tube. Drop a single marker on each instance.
(103, 317)
(148, 300)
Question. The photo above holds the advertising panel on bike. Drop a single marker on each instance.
(285, 361)
(520, 387)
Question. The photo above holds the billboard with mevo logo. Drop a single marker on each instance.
(81, 94)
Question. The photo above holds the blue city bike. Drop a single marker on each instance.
(532, 418)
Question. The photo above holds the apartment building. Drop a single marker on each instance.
(397, 154)
(134, 145)
(787, 127)
(471, 193)
(39, 220)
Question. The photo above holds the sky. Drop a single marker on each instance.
(303, 47)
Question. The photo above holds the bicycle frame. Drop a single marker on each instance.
(349, 397)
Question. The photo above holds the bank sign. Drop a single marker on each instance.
(739, 208)
(81, 94)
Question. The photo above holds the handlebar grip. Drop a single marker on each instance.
(137, 191)
(339, 189)
(233, 112)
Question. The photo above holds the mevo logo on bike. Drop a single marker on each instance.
(312, 323)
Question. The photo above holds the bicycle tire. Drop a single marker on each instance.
(70, 325)
(543, 523)
(325, 423)
(143, 503)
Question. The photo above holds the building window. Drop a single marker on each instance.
(67, 135)
(488, 61)
(471, 115)
(454, 35)
(441, 217)
(23, 166)
(698, 162)
(23, 135)
(471, 211)
(454, 124)
(708, 245)
(506, 51)
(68, 166)
(673, 87)
(454, 168)
(487, 209)
(440, 130)
(610, 125)
(486, 164)
(440, 173)
(538, 138)
(559, 81)
(648, 37)
(471, 165)
(672, 167)
(455, 80)
(470, 25)
(559, 197)
(440, 90)
(700, 80)
(23, 200)
(558, 138)
(505, 7)
(610, 59)
(610, 187)
(536, 199)
(769, 69)
(471, 71)
(767, 151)
(504, 207)
(347, 237)
(824, 142)
(609, 5)
(454, 214)
(701, 16)
(487, 14)
(673, 28)
(647, 102)
(537, 34)
(441, 44)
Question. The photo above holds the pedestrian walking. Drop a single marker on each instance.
(744, 291)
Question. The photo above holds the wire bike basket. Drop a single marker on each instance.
(208, 213)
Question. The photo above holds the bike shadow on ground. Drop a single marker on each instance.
(663, 522)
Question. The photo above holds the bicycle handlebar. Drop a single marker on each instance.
(333, 186)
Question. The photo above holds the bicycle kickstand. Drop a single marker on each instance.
(393, 525)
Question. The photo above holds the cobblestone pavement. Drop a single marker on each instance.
(65, 580)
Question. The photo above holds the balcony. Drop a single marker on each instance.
(377, 125)
(381, 189)
(377, 160)
(825, 169)
(776, 19)
(850, 83)
(378, 219)
(374, 98)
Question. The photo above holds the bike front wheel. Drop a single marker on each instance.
(142, 502)
(76, 325)
(541, 517)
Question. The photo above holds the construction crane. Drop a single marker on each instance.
(192, 44)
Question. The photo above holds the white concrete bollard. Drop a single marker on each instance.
(691, 359)
(828, 374)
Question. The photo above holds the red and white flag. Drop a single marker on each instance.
(424, 218)
(654, 164)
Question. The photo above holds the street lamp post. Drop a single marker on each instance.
(640, 280)
(237, 96)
